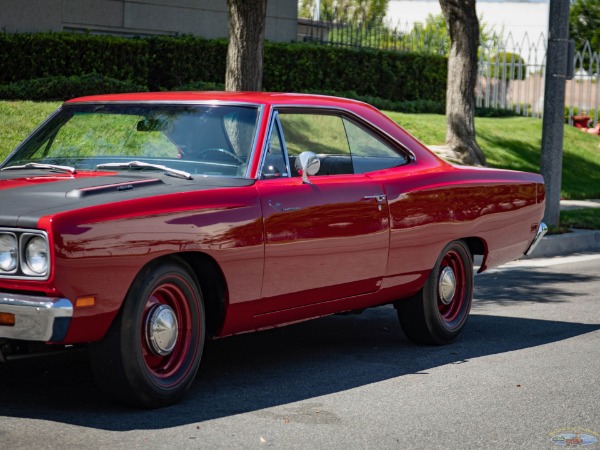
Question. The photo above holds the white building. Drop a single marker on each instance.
(206, 18)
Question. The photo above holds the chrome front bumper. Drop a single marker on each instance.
(36, 318)
(542, 230)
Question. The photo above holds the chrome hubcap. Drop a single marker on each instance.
(447, 285)
(161, 330)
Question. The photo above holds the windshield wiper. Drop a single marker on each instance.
(32, 165)
(143, 165)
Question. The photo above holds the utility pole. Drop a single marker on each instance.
(557, 68)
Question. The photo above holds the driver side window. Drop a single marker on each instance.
(323, 134)
(343, 145)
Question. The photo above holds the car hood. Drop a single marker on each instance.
(27, 196)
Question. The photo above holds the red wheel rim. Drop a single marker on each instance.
(173, 296)
(451, 306)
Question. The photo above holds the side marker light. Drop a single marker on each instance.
(85, 302)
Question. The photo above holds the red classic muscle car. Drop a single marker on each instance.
(142, 224)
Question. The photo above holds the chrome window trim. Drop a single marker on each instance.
(19, 273)
(274, 125)
(410, 156)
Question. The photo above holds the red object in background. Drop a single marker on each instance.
(582, 122)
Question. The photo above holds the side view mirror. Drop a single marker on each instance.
(307, 163)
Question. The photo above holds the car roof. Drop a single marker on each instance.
(278, 99)
(262, 98)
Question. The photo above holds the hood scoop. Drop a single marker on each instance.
(113, 188)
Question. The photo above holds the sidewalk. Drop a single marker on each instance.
(575, 242)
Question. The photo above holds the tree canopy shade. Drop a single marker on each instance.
(584, 23)
(463, 28)
(246, 45)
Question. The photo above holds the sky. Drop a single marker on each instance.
(516, 18)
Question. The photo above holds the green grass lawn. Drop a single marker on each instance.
(515, 143)
(510, 143)
(18, 119)
(581, 218)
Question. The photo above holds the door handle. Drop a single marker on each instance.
(378, 198)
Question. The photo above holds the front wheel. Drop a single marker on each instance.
(438, 313)
(152, 351)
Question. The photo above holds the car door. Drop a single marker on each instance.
(327, 239)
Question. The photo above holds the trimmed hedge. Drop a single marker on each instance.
(175, 61)
(26, 56)
(63, 88)
(164, 63)
(389, 75)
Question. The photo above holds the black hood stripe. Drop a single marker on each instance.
(24, 206)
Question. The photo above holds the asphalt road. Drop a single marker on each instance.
(526, 369)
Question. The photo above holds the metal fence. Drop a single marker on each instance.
(510, 74)
(351, 28)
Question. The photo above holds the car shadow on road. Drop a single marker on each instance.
(528, 285)
(252, 372)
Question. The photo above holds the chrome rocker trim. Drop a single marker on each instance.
(542, 230)
(44, 319)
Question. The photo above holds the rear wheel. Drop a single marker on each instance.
(438, 313)
(152, 351)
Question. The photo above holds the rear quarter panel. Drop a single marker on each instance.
(430, 208)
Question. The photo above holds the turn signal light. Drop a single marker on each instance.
(7, 319)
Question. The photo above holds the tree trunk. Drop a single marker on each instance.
(463, 28)
(246, 43)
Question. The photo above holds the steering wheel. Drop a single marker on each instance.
(232, 155)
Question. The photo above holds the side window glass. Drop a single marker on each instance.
(368, 152)
(323, 134)
(239, 127)
(274, 164)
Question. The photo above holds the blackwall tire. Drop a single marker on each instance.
(438, 313)
(152, 351)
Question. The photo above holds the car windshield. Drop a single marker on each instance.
(197, 139)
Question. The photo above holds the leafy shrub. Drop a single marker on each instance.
(516, 68)
(579, 112)
(495, 112)
(201, 86)
(409, 106)
(63, 88)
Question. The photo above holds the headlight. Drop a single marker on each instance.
(36, 256)
(8, 252)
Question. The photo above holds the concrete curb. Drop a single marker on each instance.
(576, 241)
